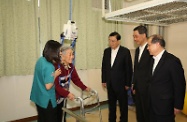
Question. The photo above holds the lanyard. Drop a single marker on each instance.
(64, 77)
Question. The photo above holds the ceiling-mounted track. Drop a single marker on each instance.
(156, 12)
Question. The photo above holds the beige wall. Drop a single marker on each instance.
(176, 42)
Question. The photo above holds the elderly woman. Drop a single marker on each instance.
(68, 73)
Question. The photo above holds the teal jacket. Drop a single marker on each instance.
(43, 74)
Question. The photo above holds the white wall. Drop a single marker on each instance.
(15, 94)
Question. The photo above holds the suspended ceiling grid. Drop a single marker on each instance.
(156, 12)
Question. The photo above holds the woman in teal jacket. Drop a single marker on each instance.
(43, 89)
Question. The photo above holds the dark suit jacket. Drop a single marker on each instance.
(141, 71)
(120, 74)
(167, 87)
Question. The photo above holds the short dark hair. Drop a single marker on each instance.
(51, 51)
(141, 29)
(158, 39)
(116, 34)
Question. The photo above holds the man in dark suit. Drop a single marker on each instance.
(167, 83)
(140, 82)
(117, 75)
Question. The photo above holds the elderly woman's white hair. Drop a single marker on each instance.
(63, 49)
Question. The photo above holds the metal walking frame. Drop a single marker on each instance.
(81, 117)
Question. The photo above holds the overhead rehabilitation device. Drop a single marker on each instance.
(70, 30)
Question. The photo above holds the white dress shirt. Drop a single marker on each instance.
(113, 55)
(157, 59)
(141, 49)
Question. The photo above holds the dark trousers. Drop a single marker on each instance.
(60, 112)
(121, 96)
(142, 110)
(48, 114)
(161, 118)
